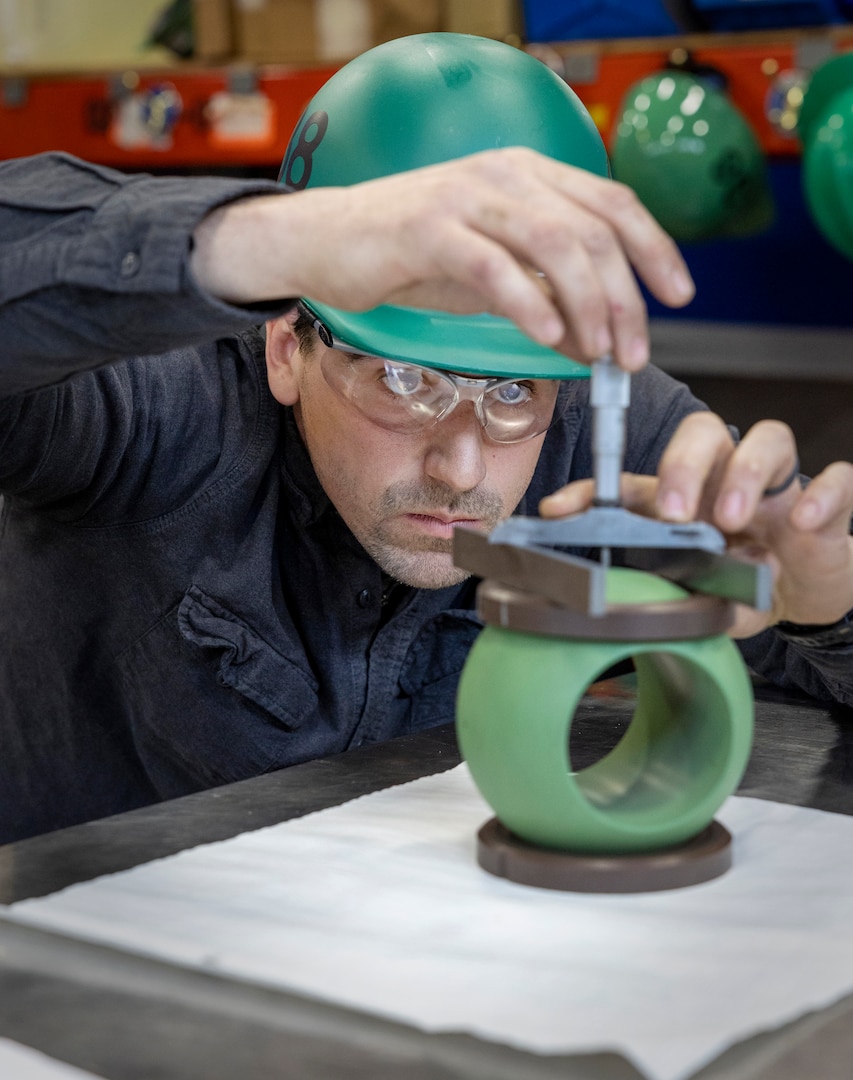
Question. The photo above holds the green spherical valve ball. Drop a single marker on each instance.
(692, 158)
(826, 129)
(683, 754)
(419, 101)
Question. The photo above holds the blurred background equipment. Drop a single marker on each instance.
(825, 127)
(692, 157)
(727, 15)
(547, 20)
(173, 28)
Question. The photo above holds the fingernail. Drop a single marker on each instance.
(673, 506)
(683, 285)
(550, 331)
(603, 341)
(807, 512)
(732, 505)
(638, 353)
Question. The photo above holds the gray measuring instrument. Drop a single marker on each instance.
(523, 551)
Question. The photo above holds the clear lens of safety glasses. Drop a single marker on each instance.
(408, 398)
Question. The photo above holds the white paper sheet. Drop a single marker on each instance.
(379, 905)
(19, 1062)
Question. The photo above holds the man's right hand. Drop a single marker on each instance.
(473, 234)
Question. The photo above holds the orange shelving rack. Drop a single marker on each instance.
(192, 116)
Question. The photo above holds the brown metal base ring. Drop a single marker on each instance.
(513, 609)
(703, 858)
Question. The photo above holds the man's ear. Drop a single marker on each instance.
(284, 362)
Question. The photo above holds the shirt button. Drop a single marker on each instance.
(364, 598)
(130, 264)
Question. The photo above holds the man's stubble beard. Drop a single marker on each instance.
(429, 564)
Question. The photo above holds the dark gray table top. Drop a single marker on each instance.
(127, 1018)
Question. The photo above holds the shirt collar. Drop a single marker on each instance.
(307, 499)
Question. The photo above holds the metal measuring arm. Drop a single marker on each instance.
(610, 394)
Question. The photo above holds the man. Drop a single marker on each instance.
(224, 552)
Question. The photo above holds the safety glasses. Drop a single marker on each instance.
(408, 398)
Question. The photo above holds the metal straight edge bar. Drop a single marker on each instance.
(577, 584)
(745, 582)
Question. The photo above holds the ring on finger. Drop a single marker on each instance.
(777, 489)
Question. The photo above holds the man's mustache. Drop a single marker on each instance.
(422, 497)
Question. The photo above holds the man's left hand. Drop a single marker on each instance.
(803, 532)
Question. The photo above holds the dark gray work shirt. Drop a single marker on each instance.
(180, 604)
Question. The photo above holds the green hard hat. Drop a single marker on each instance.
(692, 158)
(417, 101)
(825, 126)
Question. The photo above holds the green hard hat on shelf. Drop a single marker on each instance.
(418, 101)
(825, 127)
(692, 158)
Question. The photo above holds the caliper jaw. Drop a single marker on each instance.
(692, 555)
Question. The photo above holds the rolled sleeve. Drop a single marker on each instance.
(94, 266)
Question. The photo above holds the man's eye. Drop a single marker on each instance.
(403, 381)
(513, 393)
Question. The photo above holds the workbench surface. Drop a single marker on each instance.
(124, 1017)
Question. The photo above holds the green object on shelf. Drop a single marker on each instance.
(826, 130)
(682, 755)
(173, 29)
(692, 158)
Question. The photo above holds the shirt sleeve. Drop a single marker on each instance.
(825, 674)
(94, 266)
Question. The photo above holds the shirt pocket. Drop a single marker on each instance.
(429, 677)
(211, 700)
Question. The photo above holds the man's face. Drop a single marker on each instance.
(400, 494)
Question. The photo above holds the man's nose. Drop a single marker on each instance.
(456, 449)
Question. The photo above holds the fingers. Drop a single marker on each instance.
(626, 235)
(571, 499)
(703, 474)
(827, 501)
(691, 466)
(764, 459)
(485, 222)
(511, 222)
(653, 253)
(596, 292)
(802, 533)
(487, 268)
(588, 274)
(815, 549)
(582, 231)
(637, 494)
